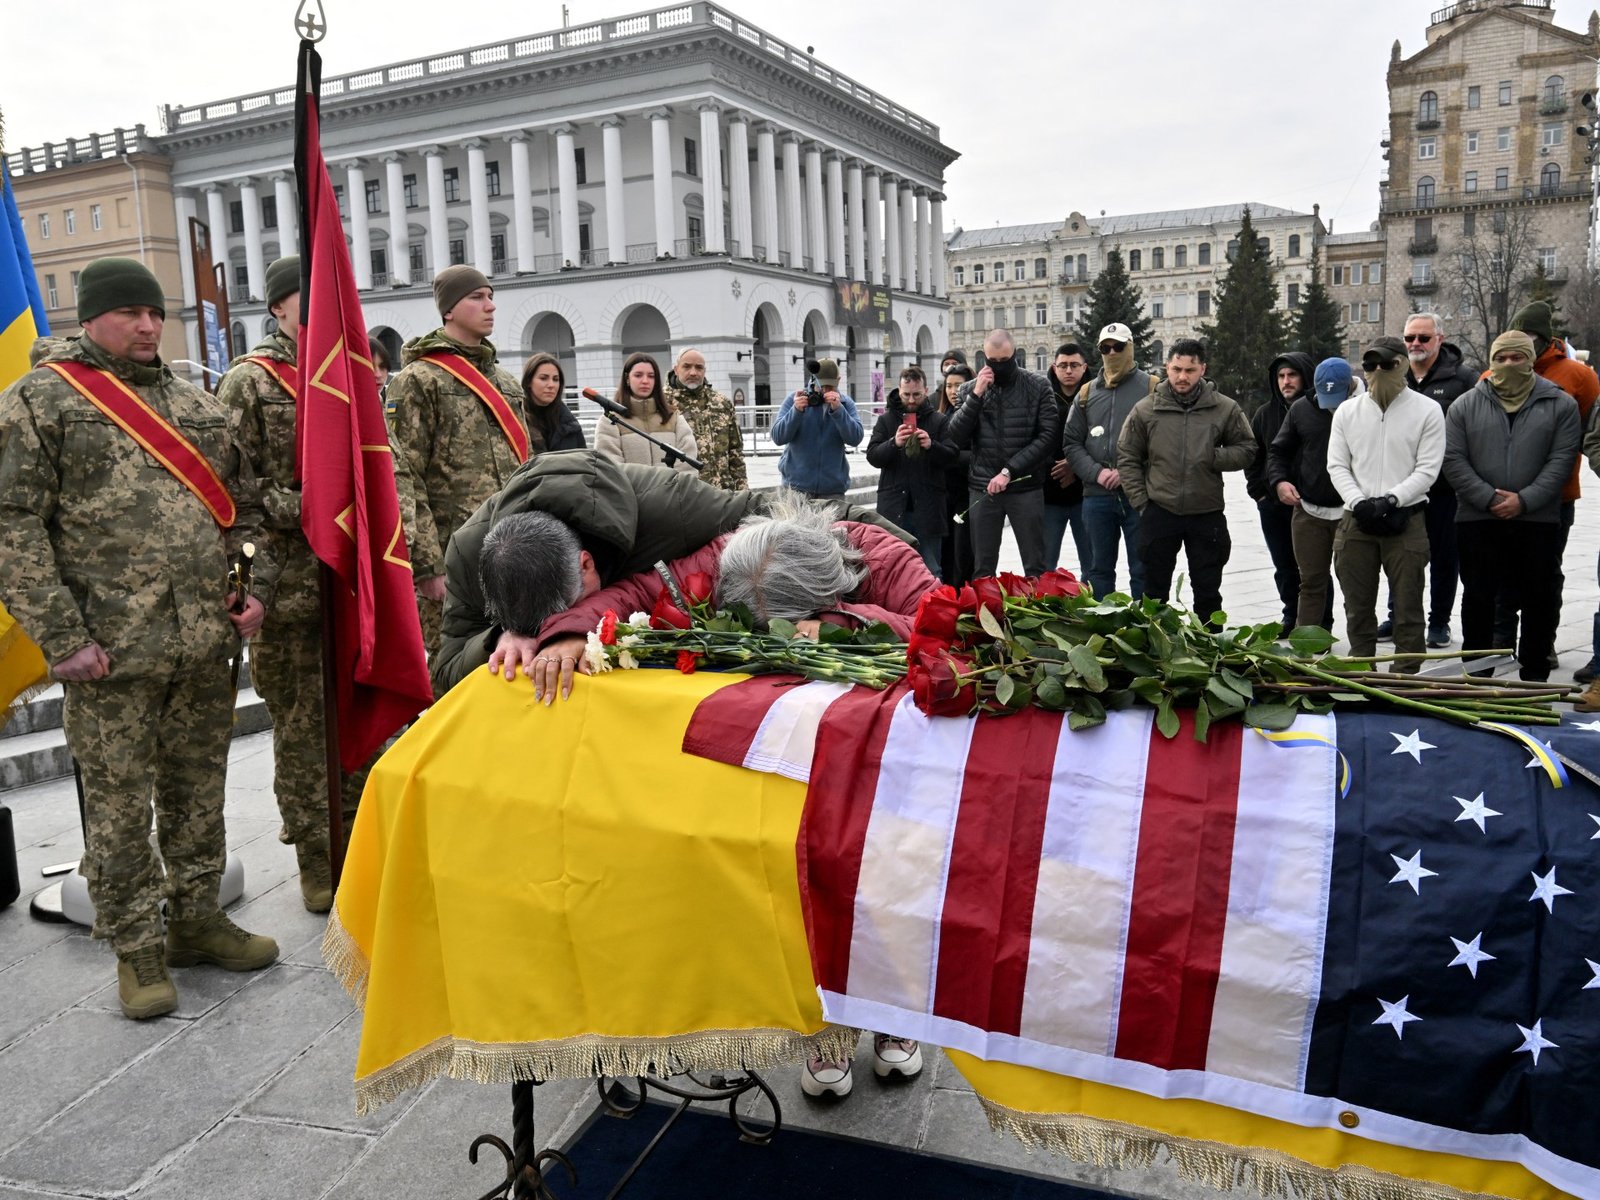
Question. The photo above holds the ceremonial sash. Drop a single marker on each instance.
(153, 432)
(483, 387)
(283, 372)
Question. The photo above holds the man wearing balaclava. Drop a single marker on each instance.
(1288, 378)
(1384, 453)
(1510, 444)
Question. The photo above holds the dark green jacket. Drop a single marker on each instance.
(645, 514)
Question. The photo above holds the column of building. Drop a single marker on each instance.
(739, 184)
(716, 239)
(254, 263)
(355, 198)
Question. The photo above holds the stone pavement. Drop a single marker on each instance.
(245, 1091)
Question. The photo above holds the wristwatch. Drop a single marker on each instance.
(1006, 471)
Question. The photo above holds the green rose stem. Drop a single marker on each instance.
(961, 517)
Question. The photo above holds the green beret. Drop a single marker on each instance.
(283, 279)
(109, 283)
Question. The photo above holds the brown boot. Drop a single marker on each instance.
(1590, 700)
(217, 940)
(143, 985)
(316, 875)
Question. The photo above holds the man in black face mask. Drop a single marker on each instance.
(1010, 420)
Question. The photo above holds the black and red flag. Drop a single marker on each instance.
(349, 509)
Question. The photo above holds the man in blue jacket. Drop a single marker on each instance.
(814, 434)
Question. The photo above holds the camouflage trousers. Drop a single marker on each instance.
(161, 743)
(286, 668)
(431, 613)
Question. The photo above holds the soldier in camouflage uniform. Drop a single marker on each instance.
(118, 569)
(451, 454)
(286, 659)
(715, 424)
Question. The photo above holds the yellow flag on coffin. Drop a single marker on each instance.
(22, 665)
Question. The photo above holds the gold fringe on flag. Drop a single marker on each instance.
(1269, 1174)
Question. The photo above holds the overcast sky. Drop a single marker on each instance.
(1055, 105)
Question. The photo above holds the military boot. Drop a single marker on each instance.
(1590, 700)
(143, 985)
(217, 940)
(316, 875)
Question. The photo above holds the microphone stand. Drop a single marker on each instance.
(671, 454)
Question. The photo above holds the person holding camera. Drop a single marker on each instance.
(1385, 450)
(813, 427)
(1510, 444)
(908, 446)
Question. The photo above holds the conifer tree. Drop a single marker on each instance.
(1249, 331)
(1113, 297)
(1317, 330)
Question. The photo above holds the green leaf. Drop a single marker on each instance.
(1005, 689)
(1202, 721)
(1166, 718)
(1078, 720)
(1239, 684)
(1088, 668)
(741, 613)
(1310, 639)
(1270, 716)
(780, 627)
(1051, 694)
(991, 624)
(1221, 698)
(1187, 669)
(1347, 697)
(1119, 699)
(876, 634)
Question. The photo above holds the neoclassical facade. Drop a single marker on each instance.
(673, 178)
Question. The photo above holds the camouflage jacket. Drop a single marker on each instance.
(101, 542)
(716, 432)
(450, 452)
(261, 417)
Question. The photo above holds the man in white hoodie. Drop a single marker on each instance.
(1384, 453)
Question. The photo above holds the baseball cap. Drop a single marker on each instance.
(1115, 332)
(1333, 377)
(1384, 352)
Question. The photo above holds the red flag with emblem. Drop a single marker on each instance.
(349, 509)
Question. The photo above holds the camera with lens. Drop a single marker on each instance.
(815, 392)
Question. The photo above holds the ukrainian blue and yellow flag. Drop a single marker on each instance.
(22, 319)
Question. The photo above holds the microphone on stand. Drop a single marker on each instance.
(611, 406)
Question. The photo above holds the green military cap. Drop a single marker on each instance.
(108, 283)
(283, 279)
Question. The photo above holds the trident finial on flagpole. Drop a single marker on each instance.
(310, 21)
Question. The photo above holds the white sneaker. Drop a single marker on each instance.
(821, 1078)
(892, 1056)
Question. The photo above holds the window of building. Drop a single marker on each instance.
(1041, 314)
(999, 272)
(1550, 135)
(1472, 142)
(977, 320)
(1375, 272)
(1346, 312)
(73, 280)
(269, 212)
(241, 279)
(1135, 260)
(1158, 309)
(338, 194)
(1180, 256)
(70, 219)
(44, 226)
(1019, 316)
(458, 251)
(1547, 259)
(1338, 274)
(374, 191)
(1067, 271)
(94, 216)
(491, 177)
(1374, 311)
(452, 184)
(1499, 222)
(1469, 224)
(1158, 258)
(418, 261)
(1549, 179)
(691, 157)
(1180, 304)
(977, 273)
(961, 276)
(1428, 107)
(1474, 96)
(51, 300)
(1041, 268)
(581, 165)
(959, 319)
(1083, 266)
(1554, 88)
(1355, 274)
(1294, 245)
(1505, 92)
(1502, 138)
(380, 266)
(1231, 250)
(408, 185)
(1425, 190)
(1203, 254)
(1422, 271)
(1041, 359)
(236, 213)
(1469, 181)
(1428, 147)
(1294, 295)
(1502, 178)
(1019, 270)
(1202, 304)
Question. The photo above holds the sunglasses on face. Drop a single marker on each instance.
(1112, 347)
(1419, 337)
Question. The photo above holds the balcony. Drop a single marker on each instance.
(1552, 106)
(500, 266)
(1409, 202)
(1422, 246)
(1426, 123)
(1421, 287)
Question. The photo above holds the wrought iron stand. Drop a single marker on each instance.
(526, 1177)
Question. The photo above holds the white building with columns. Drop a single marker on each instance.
(671, 178)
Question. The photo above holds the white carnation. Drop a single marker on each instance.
(627, 661)
(594, 653)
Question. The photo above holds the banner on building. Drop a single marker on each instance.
(860, 305)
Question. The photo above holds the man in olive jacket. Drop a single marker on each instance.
(1175, 445)
(628, 517)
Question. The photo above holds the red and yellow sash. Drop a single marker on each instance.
(483, 387)
(286, 375)
(152, 431)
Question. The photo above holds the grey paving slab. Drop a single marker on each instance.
(173, 1096)
(44, 1072)
(892, 1114)
(258, 1160)
(7, 1193)
(55, 978)
(317, 1088)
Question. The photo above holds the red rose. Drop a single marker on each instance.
(967, 599)
(697, 588)
(608, 629)
(990, 595)
(1018, 586)
(667, 615)
(686, 661)
(937, 613)
(931, 671)
(1060, 582)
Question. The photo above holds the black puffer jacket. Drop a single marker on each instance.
(911, 488)
(564, 431)
(1017, 427)
(1447, 379)
(1268, 419)
(1299, 453)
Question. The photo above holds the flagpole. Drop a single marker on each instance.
(309, 87)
